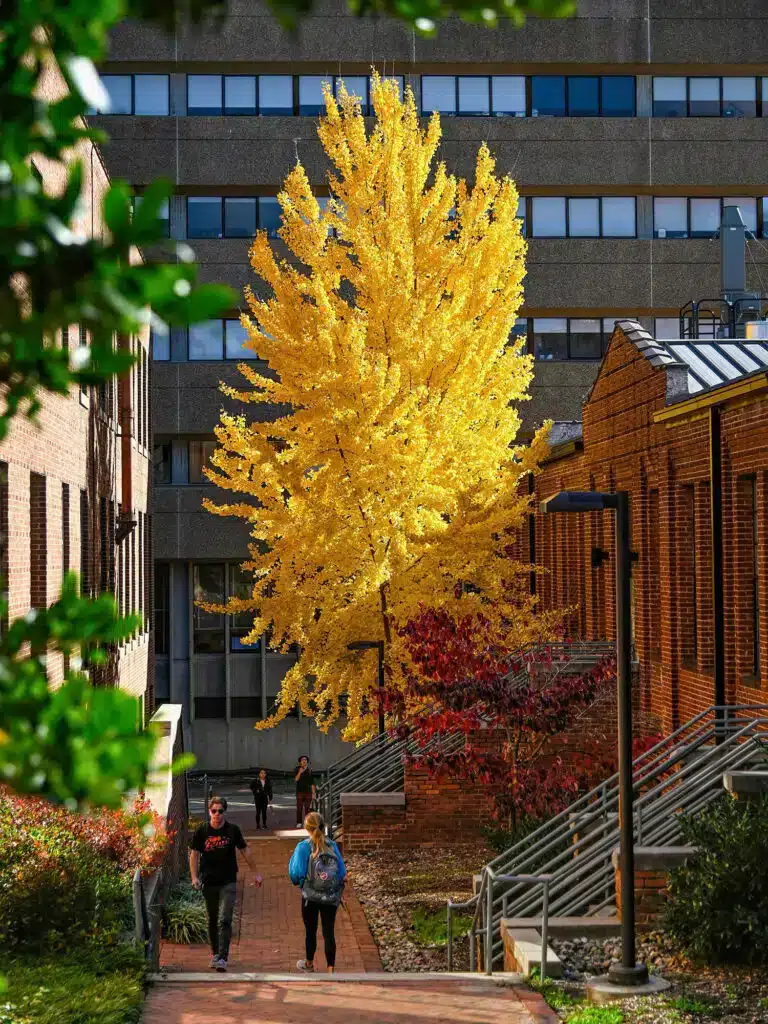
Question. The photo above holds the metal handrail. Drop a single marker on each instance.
(483, 919)
(680, 773)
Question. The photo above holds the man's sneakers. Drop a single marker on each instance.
(218, 963)
(214, 961)
(305, 967)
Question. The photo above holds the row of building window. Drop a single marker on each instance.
(542, 216)
(211, 340)
(547, 338)
(465, 95)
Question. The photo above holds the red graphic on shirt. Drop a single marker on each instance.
(216, 843)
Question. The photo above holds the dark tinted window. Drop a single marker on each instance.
(239, 218)
(550, 338)
(618, 96)
(203, 217)
(585, 338)
(269, 215)
(583, 97)
(547, 96)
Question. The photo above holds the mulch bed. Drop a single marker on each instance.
(392, 884)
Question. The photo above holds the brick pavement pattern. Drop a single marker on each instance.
(417, 1001)
(268, 935)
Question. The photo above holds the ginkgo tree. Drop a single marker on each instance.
(389, 479)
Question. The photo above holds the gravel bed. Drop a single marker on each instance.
(727, 995)
(392, 884)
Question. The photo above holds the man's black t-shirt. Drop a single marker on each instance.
(217, 847)
(304, 782)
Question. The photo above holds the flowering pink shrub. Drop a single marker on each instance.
(66, 875)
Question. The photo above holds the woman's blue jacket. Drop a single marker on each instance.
(297, 868)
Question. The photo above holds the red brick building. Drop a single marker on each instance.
(683, 427)
(74, 492)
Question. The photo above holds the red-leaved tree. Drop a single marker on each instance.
(480, 713)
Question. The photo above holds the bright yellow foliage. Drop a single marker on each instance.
(392, 475)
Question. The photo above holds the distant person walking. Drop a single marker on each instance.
(213, 867)
(317, 866)
(305, 790)
(261, 787)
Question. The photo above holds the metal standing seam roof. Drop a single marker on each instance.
(710, 363)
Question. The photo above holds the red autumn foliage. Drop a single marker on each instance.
(137, 837)
(513, 712)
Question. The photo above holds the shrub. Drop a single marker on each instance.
(185, 919)
(67, 877)
(718, 900)
(88, 985)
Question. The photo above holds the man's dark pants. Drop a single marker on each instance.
(303, 803)
(220, 904)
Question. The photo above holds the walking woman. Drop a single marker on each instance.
(317, 867)
(261, 787)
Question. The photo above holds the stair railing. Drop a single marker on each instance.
(681, 773)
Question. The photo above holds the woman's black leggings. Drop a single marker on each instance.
(310, 912)
(261, 812)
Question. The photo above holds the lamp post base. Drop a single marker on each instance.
(625, 984)
(621, 975)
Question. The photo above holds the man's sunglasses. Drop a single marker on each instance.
(217, 810)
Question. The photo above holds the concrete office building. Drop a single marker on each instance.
(627, 128)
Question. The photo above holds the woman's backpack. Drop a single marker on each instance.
(323, 883)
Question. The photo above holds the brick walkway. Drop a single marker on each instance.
(395, 1001)
(269, 939)
(269, 934)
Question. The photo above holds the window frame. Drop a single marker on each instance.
(249, 113)
(529, 218)
(206, 113)
(758, 100)
(605, 336)
(761, 207)
(146, 74)
(223, 358)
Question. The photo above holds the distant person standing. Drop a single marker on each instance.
(305, 790)
(261, 787)
(213, 867)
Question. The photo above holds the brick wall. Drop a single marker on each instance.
(665, 468)
(372, 828)
(652, 869)
(73, 448)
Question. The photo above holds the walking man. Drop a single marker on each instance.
(305, 790)
(213, 867)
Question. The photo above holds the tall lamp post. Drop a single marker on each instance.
(628, 972)
(370, 645)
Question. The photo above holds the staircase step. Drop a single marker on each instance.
(568, 927)
(525, 946)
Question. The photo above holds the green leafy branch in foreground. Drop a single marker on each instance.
(77, 744)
